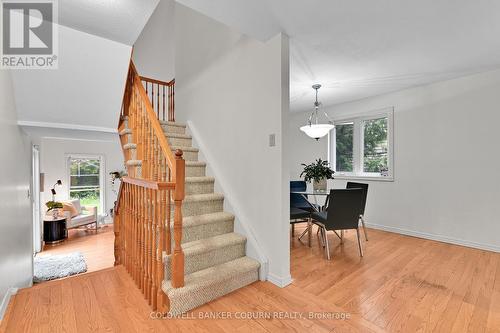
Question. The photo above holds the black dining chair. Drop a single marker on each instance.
(298, 216)
(343, 214)
(364, 187)
(298, 200)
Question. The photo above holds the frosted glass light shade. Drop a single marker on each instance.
(317, 131)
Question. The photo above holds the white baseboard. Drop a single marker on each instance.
(439, 238)
(281, 282)
(5, 301)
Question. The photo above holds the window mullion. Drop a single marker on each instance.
(357, 147)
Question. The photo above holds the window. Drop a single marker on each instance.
(361, 147)
(86, 181)
(344, 153)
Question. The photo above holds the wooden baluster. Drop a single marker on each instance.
(116, 230)
(173, 101)
(148, 245)
(161, 297)
(163, 102)
(136, 237)
(154, 222)
(147, 161)
(178, 255)
(147, 283)
(158, 101)
(144, 218)
(168, 208)
(132, 234)
(126, 227)
(152, 96)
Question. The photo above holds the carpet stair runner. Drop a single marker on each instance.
(215, 259)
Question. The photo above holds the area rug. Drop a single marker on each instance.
(52, 267)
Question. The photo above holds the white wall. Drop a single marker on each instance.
(446, 172)
(15, 207)
(234, 91)
(53, 152)
(154, 49)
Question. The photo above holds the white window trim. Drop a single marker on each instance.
(102, 174)
(358, 146)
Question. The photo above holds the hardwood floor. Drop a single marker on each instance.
(96, 248)
(403, 284)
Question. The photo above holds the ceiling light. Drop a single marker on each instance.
(317, 130)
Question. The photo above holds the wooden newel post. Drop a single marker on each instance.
(178, 255)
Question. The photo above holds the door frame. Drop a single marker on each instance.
(35, 199)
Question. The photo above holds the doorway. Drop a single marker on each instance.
(35, 199)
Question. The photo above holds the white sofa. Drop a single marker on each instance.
(86, 215)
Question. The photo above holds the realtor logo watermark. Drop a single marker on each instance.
(29, 34)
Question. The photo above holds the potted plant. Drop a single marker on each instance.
(54, 206)
(318, 172)
(115, 175)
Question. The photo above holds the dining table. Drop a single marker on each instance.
(306, 194)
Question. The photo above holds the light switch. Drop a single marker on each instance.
(272, 140)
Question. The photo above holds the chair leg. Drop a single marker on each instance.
(364, 226)
(327, 247)
(309, 228)
(293, 230)
(359, 244)
(341, 236)
(321, 236)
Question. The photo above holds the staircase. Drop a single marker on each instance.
(214, 257)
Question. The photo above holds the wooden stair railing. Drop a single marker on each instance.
(161, 95)
(146, 199)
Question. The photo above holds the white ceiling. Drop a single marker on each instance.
(86, 90)
(357, 49)
(118, 20)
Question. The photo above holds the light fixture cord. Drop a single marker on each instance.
(314, 113)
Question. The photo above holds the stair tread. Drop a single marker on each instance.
(207, 276)
(125, 131)
(177, 135)
(134, 162)
(200, 179)
(195, 163)
(204, 197)
(172, 123)
(206, 245)
(130, 146)
(194, 220)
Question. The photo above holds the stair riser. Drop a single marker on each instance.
(208, 230)
(181, 304)
(195, 170)
(191, 208)
(183, 142)
(173, 129)
(189, 155)
(199, 188)
(194, 263)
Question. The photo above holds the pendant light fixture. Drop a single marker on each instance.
(317, 130)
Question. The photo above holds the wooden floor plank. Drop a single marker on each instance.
(403, 284)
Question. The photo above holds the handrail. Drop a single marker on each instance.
(163, 83)
(154, 185)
